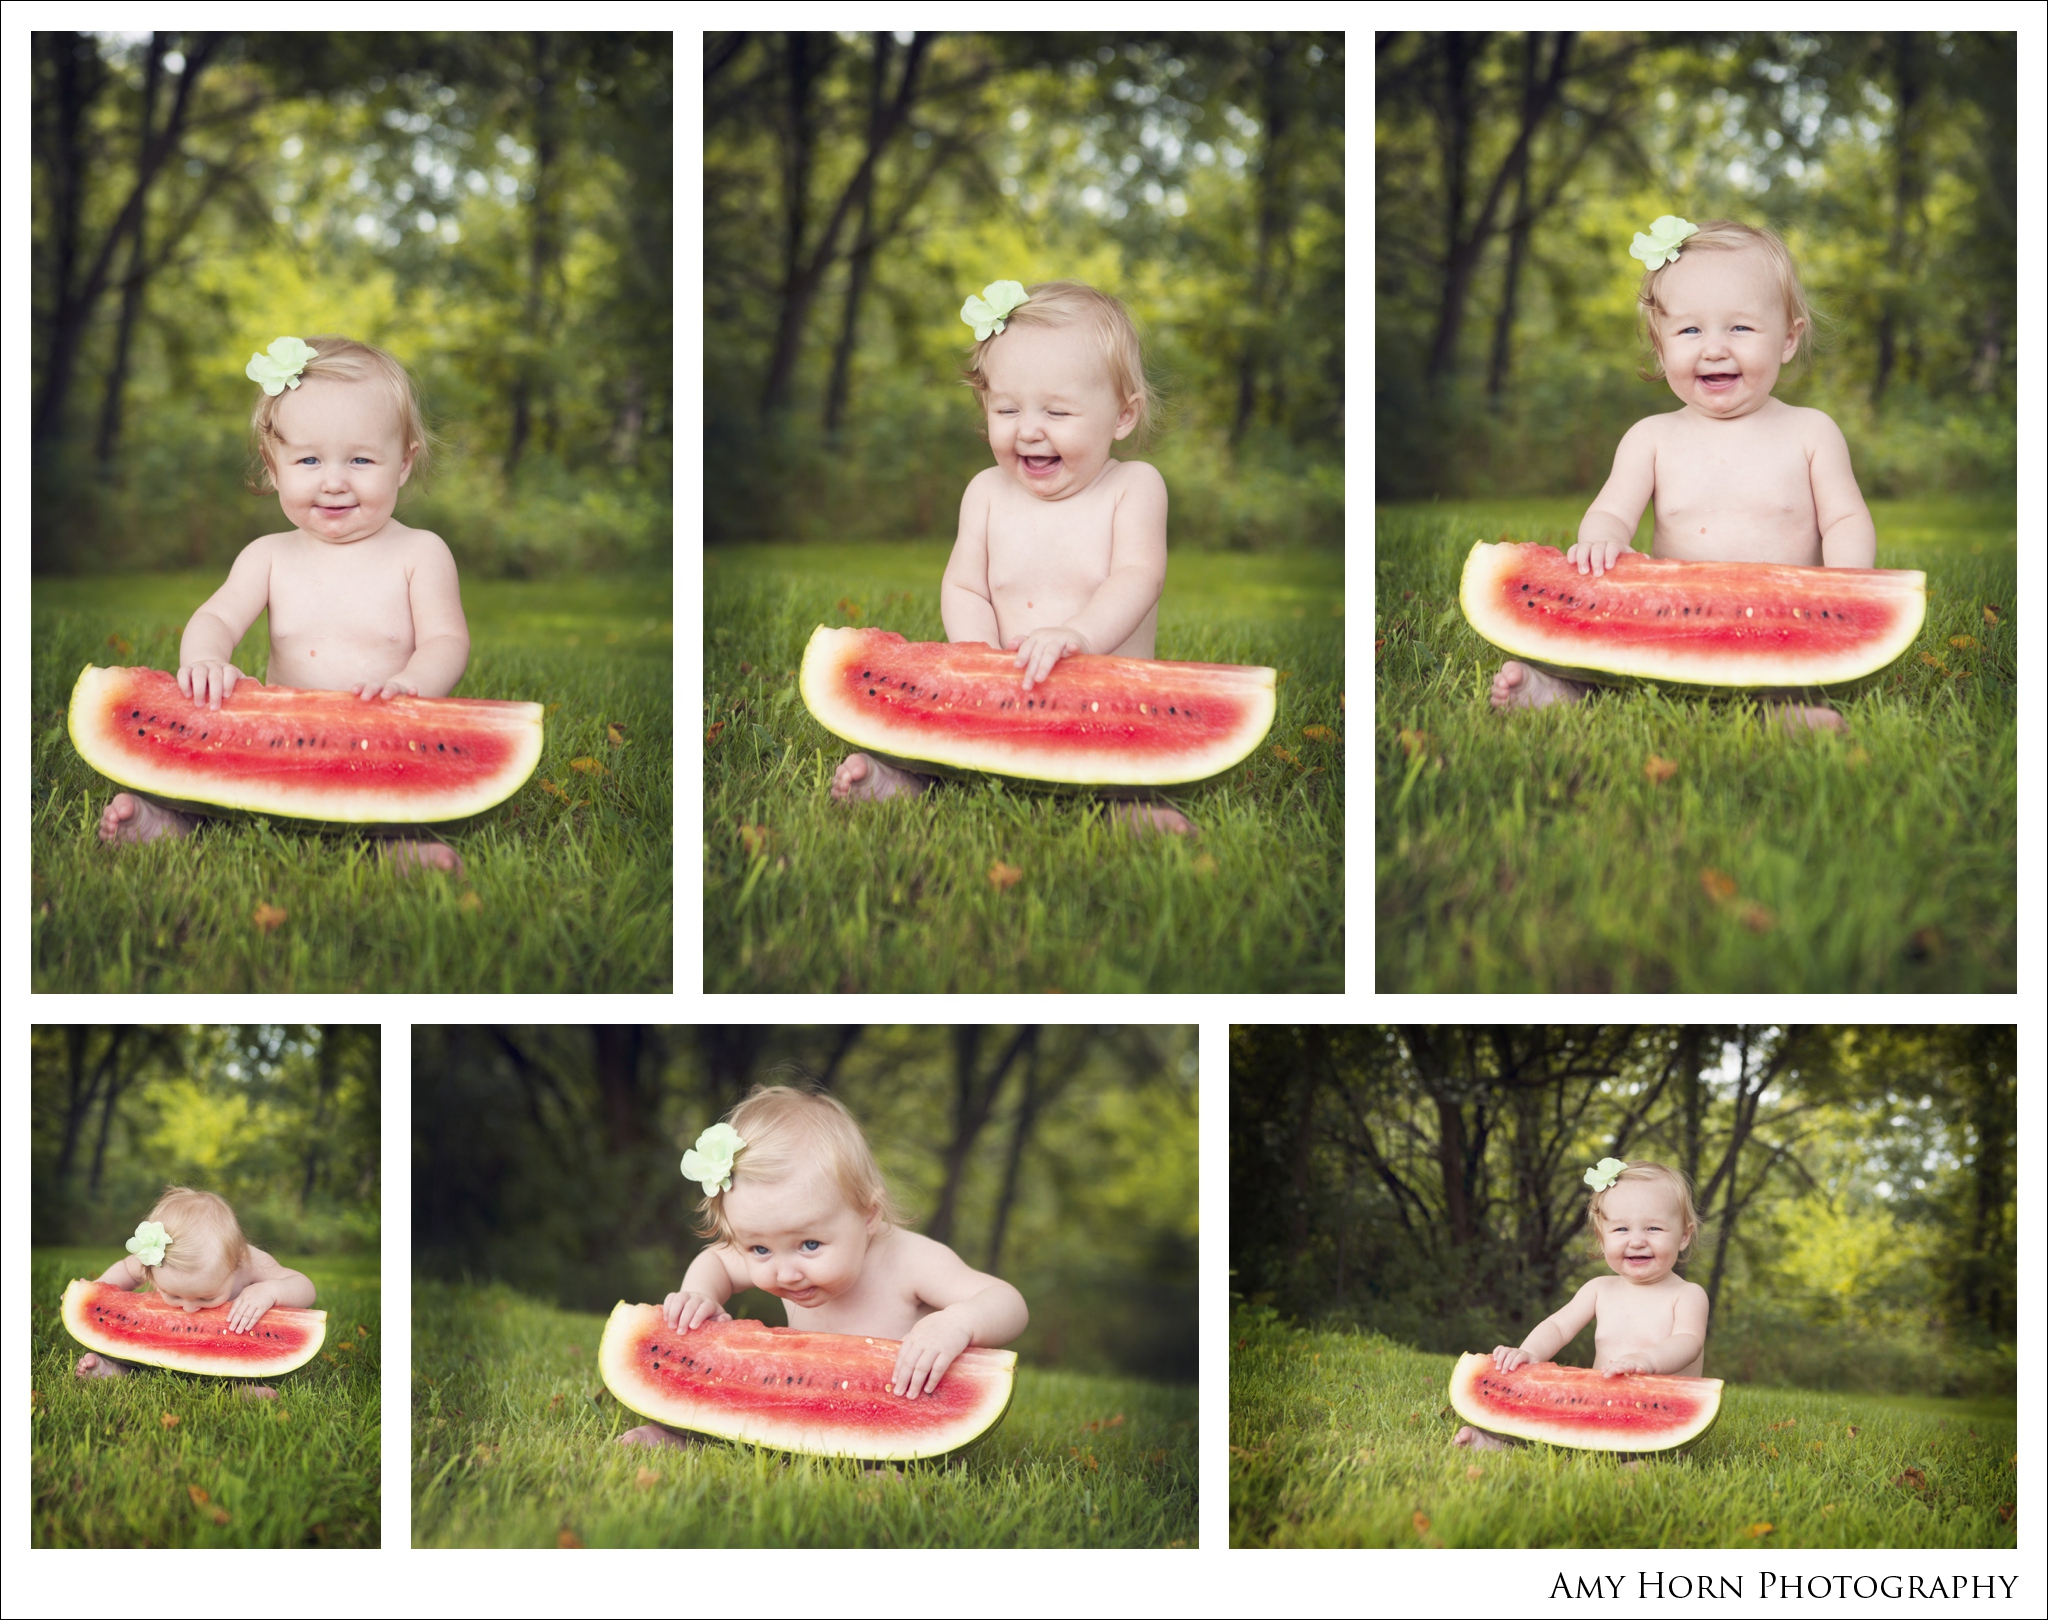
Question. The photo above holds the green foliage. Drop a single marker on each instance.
(1199, 178)
(547, 1159)
(1878, 860)
(301, 1470)
(513, 1446)
(568, 891)
(494, 209)
(1507, 343)
(1344, 1440)
(897, 896)
(280, 1120)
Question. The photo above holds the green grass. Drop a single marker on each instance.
(1531, 852)
(302, 1470)
(1344, 1440)
(898, 896)
(568, 892)
(513, 1437)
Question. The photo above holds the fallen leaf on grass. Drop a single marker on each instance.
(361, 1331)
(588, 766)
(344, 1344)
(1421, 1523)
(711, 736)
(1912, 1479)
(122, 645)
(1854, 1430)
(1003, 875)
(1930, 660)
(169, 1420)
(1103, 1423)
(850, 608)
(1990, 614)
(267, 918)
(1859, 757)
(746, 669)
(1760, 1529)
(1205, 865)
(615, 734)
(1475, 1472)
(1962, 641)
(1789, 1423)
(1757, 919)
(2005, 1511)
(550, 709)
(1377, 645)
(753, 838)
(646, 1479)
(1318, 733)
(575, 1349)
(1659, 769)
(1283, 753)
(1824, 1512)
(218, 1515)
(548, 787)
(1719, 885)
(199, 1496)
(470, 901)
(1414, 742)
(568, 1538)
(1770, 1451)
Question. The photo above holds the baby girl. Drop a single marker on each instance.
(192, 1252)
(358, 601)
(1733, 475)
(799, 1208)
(1062, 547)
(1647, 1319)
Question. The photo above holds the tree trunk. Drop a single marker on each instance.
(974, 1100)
(858, 266)
(628, 1108)
(1518, 243)
(1274, 190)
(1013, 1162)
(324, 1071)
(132, 283)
(1894, 324)
(531, 394)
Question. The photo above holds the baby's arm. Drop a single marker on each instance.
(125, 1272)
(270, 1284)
(1137, 576)
(1681, 1350)
(973, 1308)
(1608, 527)
(1553, 1333)
(440, 635)
(713, 1278)
(966, 608)
(1848, 538)
(204, 673)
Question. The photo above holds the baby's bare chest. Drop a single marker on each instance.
(1758, 469)
(359, 597)
(1050, 543)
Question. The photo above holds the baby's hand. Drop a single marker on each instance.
(249, 1306)
(683, 1311)
(1597, 556)
(208, 681)
(397, 686)
(1507, 1357)
(1041, 649)
(928, 1350)
(1622, 1365)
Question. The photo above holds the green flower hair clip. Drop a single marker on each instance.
(709, 1163)
(1605, 1174)
(988, 313)
(279, 369)
(149, 1243)
(1660, 244)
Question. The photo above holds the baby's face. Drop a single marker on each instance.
(1053, 415)
(196, 1289)
(799, 1238)
(338, 459)
(1641, 1230)
(1724, 333)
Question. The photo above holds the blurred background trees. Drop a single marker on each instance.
(282, 1120)
(1513, 169)
(492, 208)
(1857, 1185)
(858, 187)
(1062, 1158)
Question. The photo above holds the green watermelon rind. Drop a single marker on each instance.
(1680, 668)
(1467, 1404)
(628, 1323)
(383, 807)
(82, 1290)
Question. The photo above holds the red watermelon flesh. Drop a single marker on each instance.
(1587, 1410)
(1095, 721)
(1745, 626)
(823, 1393)
(141, 1327)
(323, 756)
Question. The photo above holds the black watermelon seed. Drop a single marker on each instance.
(440, 748)
(134, 714)
(867, 674)
(871, 691)
(140, 732)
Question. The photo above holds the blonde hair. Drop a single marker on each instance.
(1730, 236)
(787, 1128)
(1069, 303)
(343, 360)
(193, 1218)
(1651, 1170)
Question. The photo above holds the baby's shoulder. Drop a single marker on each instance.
(1137, 475)
(1810, 424)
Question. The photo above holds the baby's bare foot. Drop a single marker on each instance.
(96, 1366)
(860, 777)
(1799, 717)
(655, 1434)
(256, 1392)
(132, 819)
(1147, 817)
(410, 855)
(1480, 1440)
(1522, 686)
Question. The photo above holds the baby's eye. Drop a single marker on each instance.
(758, 1249)
(365, 460)
(307, 461)
(811, 1245)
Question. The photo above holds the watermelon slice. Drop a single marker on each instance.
(323, 756)
(1759, 627)
(141, 1327)
(823, 1393)
(1577, 1407)
(1095, 721)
